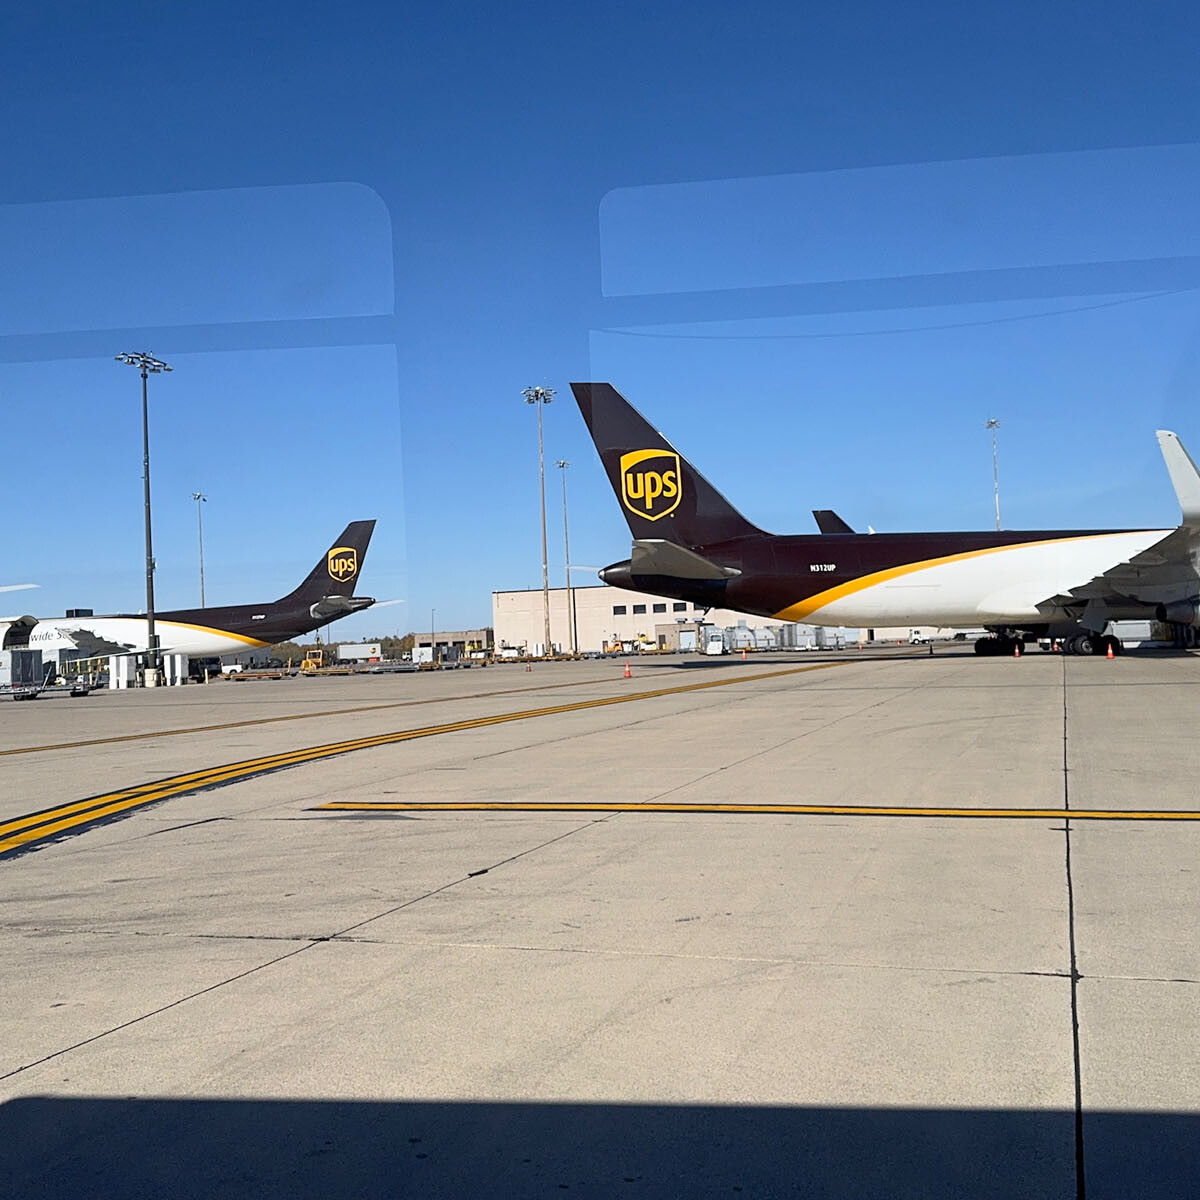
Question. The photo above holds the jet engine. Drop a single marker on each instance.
(1180, 612)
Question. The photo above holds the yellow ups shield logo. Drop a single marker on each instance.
(343, 563)
(650, 483)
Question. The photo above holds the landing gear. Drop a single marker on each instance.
(1084, 642)
(1092, 643)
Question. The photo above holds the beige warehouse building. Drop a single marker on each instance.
(606, 615)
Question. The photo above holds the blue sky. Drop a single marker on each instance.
(818, 244)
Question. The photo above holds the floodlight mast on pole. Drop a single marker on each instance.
(200, 498)
(562, 465)
(148, 365)
(541, 397)
(994, 425)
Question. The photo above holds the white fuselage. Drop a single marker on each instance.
(131, 634)
(996, 586)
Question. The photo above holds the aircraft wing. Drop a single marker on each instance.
(95, 646)
(1167, 571)
(1172, 563)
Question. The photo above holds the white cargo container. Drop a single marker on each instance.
(360, 651)
(830, 639)
(20, 668)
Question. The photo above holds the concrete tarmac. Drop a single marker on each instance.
(233, 992)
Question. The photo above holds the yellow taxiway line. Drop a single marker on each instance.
(820, 810)
(301, 716)
(20, 832)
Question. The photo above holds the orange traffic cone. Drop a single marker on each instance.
(743, 656)
(1016, 650)
(628, 672)
(1110, 653)
(529, 666)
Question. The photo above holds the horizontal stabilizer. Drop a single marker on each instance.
(829, 522)
(653, 556)
(1184, 476)
(329, 608)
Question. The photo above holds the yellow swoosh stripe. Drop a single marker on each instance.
(805, 608)
(237, 637)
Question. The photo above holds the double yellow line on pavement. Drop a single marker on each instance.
(147, 734)
(821, 810)
(21, 832)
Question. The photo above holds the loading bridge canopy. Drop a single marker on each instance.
(15, 631)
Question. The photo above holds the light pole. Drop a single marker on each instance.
(148, 365)
(562, 465)
(994, 425)
(541, 396)
(200, 498)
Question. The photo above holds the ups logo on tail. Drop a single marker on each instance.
(342, 562)
(651, 483)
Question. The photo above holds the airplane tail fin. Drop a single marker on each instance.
(661, 494)
(829, 522)
(337, 570)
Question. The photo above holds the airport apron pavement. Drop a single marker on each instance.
(237, 989)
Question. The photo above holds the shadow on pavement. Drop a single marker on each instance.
(101, 1148)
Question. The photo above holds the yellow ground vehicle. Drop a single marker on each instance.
(313, 661)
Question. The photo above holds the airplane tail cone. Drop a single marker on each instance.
(628, 672)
